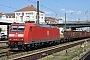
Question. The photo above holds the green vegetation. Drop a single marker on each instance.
(61, 36)
(48, 58)
(56, 54)
(3, 30)
(69, 57)
(5, 58)
(0, 29)
(74, 54)
(4, 50)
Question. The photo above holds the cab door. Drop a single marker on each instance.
(31, 33)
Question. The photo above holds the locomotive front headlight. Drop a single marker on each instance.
(10, 39)
(21, 39)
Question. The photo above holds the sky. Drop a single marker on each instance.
(75, 9)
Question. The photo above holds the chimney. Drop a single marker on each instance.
(32, 6)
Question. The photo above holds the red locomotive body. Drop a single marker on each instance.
(24, 35)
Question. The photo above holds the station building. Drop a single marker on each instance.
(28, 13)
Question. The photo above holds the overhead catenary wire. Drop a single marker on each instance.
(70, 8)
(41, 5)
(56, 13)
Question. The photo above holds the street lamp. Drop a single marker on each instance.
(65, 21)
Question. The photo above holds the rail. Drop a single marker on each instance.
(37, 55)
(84, 55)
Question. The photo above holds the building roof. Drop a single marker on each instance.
(12, 15)
(50, 19)
(28, 8)
(1, 13)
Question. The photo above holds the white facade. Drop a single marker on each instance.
(60, 30)
(28, 13)
(7, 18)
(4, 18)
(29, 16)
(59, 21)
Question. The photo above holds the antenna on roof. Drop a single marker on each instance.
(37, 12)
(32, 6)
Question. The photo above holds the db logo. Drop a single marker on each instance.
(47, 32)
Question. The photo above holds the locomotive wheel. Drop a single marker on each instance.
(20, 47)
(25, 47)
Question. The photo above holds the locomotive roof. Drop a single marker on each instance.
(44, 25)
(33, 24)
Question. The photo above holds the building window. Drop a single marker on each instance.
(27, 18)
(41, 17)
(8, 16)
(3, 16)
(32, 16)
(41, 14)
(21, 17)
(31, 13)
(17, 13)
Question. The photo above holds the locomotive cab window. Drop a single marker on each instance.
(21, 28)
(17, 28)
(13, 28)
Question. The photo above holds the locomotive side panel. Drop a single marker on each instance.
(31, 34)
(28, 32)
(53, 34)
(43, 34)
(26, 35)
(38, 33)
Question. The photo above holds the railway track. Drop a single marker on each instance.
(3, 47)
(39, 53)
(2, 54)
(44, 52)
(8, 53)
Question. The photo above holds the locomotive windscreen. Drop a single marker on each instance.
(17, 28)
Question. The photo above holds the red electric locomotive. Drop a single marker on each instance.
(26, 35)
